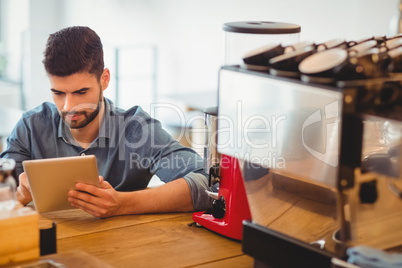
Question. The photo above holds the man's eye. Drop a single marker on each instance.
(58, 93)
(82, 92)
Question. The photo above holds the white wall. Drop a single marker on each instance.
(189, 34)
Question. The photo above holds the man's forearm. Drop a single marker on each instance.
(174, 196)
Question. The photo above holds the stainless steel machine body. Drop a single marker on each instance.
(312, 161)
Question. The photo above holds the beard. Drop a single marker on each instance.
(88, 111)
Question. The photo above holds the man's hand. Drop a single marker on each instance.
(23, 191)
(100, 202)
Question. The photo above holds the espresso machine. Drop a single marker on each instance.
(319, 156)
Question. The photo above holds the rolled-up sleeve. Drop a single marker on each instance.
(198, 183)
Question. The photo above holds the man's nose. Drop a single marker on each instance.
(69, 103)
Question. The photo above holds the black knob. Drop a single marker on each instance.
(219, 208)
(368, 192)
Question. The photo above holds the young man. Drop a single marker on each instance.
(130, 146)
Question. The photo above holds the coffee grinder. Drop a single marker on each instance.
(230, 206)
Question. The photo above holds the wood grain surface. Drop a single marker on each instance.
(153, 240)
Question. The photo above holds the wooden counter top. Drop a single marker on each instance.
(153, 240)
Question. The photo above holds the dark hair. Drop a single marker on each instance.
(74, 50)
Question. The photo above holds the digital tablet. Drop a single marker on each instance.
(50, 179)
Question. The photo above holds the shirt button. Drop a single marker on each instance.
(82, 154)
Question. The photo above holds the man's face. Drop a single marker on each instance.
(78, 97)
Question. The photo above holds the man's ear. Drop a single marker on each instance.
(105, 78)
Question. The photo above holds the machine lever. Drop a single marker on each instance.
(212, 194)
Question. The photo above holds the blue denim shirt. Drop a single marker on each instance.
(131, 147)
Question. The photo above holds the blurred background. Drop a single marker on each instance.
(163, 55)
